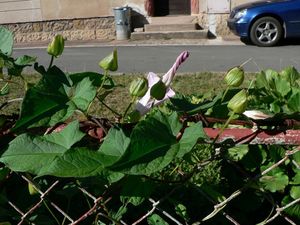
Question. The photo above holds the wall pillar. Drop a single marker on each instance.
(194, 6)
(149, 7)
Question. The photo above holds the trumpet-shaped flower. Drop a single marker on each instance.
(147, 102)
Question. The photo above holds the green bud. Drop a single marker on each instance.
(235, 77)
(110, 62)
(138, 87)
(158, 90)
(32, 190)
(238, 103)
(4, 90)
(134, 116)
(56, 47)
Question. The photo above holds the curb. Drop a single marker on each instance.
(219, 41)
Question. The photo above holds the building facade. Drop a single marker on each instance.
(38, 20)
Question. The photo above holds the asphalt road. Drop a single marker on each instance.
(158, 59)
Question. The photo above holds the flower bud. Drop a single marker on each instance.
(56, 47)
(138, 87)
(110, 62)
(238, 103)
(134, 116)
(32, 190)
(235, 77)
(158, 90)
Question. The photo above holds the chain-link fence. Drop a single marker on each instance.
(98, 209)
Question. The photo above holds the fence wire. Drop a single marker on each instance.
(99, 210)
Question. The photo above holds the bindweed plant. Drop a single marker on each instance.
(158, 148)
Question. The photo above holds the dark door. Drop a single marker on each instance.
(179, 7)
(172, 7)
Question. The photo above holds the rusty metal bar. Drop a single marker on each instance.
(253, 137)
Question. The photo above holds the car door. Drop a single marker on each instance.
(292, 18)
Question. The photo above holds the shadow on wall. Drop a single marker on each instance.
(138, 20)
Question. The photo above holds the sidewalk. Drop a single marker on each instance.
(228, 40)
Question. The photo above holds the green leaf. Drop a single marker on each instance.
(271, 76)
(27, 153)
(293, 210)
(156, 140)
(114, 146)
(171, 121)
(190, 138)
(38, 108)
(295, 192)
(136, 189)
(6, 41)
(212, 193)
(274, 107)
(282, 86)
(84, 93)
(53, 154)
(296, 157)
(254, 158)
(238, 152)
(67, 137)
(276, 153)
(54, 99)
(158, 147)
(181, 211)
(119, 214)
(276, 182)
(96, 79)
(294, 102)
(155, 220)
(4, 171)
(261, 80)
(290, 74)
(75, 162)
(25, 60)
(296, 178)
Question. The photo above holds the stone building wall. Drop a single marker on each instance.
(215, 23)
(72, 29)
(89, 20)
(40, 20)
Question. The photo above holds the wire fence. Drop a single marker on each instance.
(98, 208)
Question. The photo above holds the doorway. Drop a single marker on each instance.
(172, 7)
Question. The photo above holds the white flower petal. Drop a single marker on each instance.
(144, 108)
(256, 115)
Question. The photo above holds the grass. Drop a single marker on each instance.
(198, 83)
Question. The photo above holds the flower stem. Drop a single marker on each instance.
(102, 84)
(52, 214)
(225, 93)
(129, 106)
(51, 62)
(98, 91)
(109, 108)
(222, 129)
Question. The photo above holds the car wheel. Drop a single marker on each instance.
(266, 32)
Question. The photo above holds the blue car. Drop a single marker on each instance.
(265, 23)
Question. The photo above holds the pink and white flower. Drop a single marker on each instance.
(147, 102)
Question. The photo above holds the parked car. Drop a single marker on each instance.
(265, 23)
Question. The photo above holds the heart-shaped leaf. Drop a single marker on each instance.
(6, 41)
(54, 99)
(158, 147)
(32, 154)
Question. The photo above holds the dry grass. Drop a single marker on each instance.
(197, 84)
